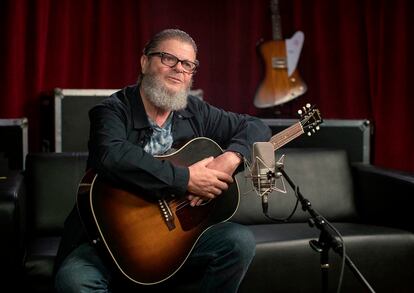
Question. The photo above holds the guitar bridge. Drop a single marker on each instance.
(166, 214)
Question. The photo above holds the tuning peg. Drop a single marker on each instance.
(317, 127)
(307, 107)
(309, 133)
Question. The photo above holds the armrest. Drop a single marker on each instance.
(384, 196)
(12, 221)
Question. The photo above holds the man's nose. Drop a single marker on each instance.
(179, 67)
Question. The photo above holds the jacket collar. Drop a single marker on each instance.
(139, 116)
(184, 113)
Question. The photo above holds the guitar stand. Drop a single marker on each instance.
(326, 240)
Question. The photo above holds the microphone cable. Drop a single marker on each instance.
(265, 207)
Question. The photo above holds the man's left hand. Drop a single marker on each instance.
(226, 162)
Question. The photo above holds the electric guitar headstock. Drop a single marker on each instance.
(310, 119)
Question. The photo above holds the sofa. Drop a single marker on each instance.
(369, 206)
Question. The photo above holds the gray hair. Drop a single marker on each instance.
(169, 34)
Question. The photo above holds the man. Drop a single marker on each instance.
(153, 118)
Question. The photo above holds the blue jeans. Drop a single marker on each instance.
(222, 254)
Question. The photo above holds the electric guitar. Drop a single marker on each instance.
(149, 240)
(281, 82)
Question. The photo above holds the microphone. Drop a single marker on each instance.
(263, 170)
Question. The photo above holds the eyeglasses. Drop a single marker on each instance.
(171, 60)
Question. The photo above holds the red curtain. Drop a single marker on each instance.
(355, 61)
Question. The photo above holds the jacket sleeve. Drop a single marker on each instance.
(116, 158)
(232, 131)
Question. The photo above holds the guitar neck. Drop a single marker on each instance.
(276, 22)
(286, 135)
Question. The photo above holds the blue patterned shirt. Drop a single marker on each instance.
(161, 139)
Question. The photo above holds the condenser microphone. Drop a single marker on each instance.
(263, 170)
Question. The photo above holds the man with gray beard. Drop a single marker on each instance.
(132, 135)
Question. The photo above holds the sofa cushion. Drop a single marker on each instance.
(53, 181)
(285, 262)
(322, 175)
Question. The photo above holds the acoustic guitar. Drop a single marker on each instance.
(282, 81)
(149, 240)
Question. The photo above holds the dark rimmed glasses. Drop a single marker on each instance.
(171, 60)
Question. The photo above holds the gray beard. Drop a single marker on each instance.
(161, 97)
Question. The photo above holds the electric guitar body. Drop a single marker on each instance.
(281, 82)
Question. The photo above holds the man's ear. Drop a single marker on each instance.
(144, 63)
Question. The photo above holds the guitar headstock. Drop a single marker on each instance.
(310, 118)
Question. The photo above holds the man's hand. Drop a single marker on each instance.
(205, 182)
(218, 170)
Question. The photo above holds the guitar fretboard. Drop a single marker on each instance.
(276, 22)
(286, 135)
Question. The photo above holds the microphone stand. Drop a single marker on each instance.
(326, 239)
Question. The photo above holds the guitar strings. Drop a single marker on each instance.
(286, 135)
(179, 203)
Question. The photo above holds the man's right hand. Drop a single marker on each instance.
(206, 183)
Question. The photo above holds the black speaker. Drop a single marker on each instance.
(13, 144)
(354, 136)
(65, 123)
